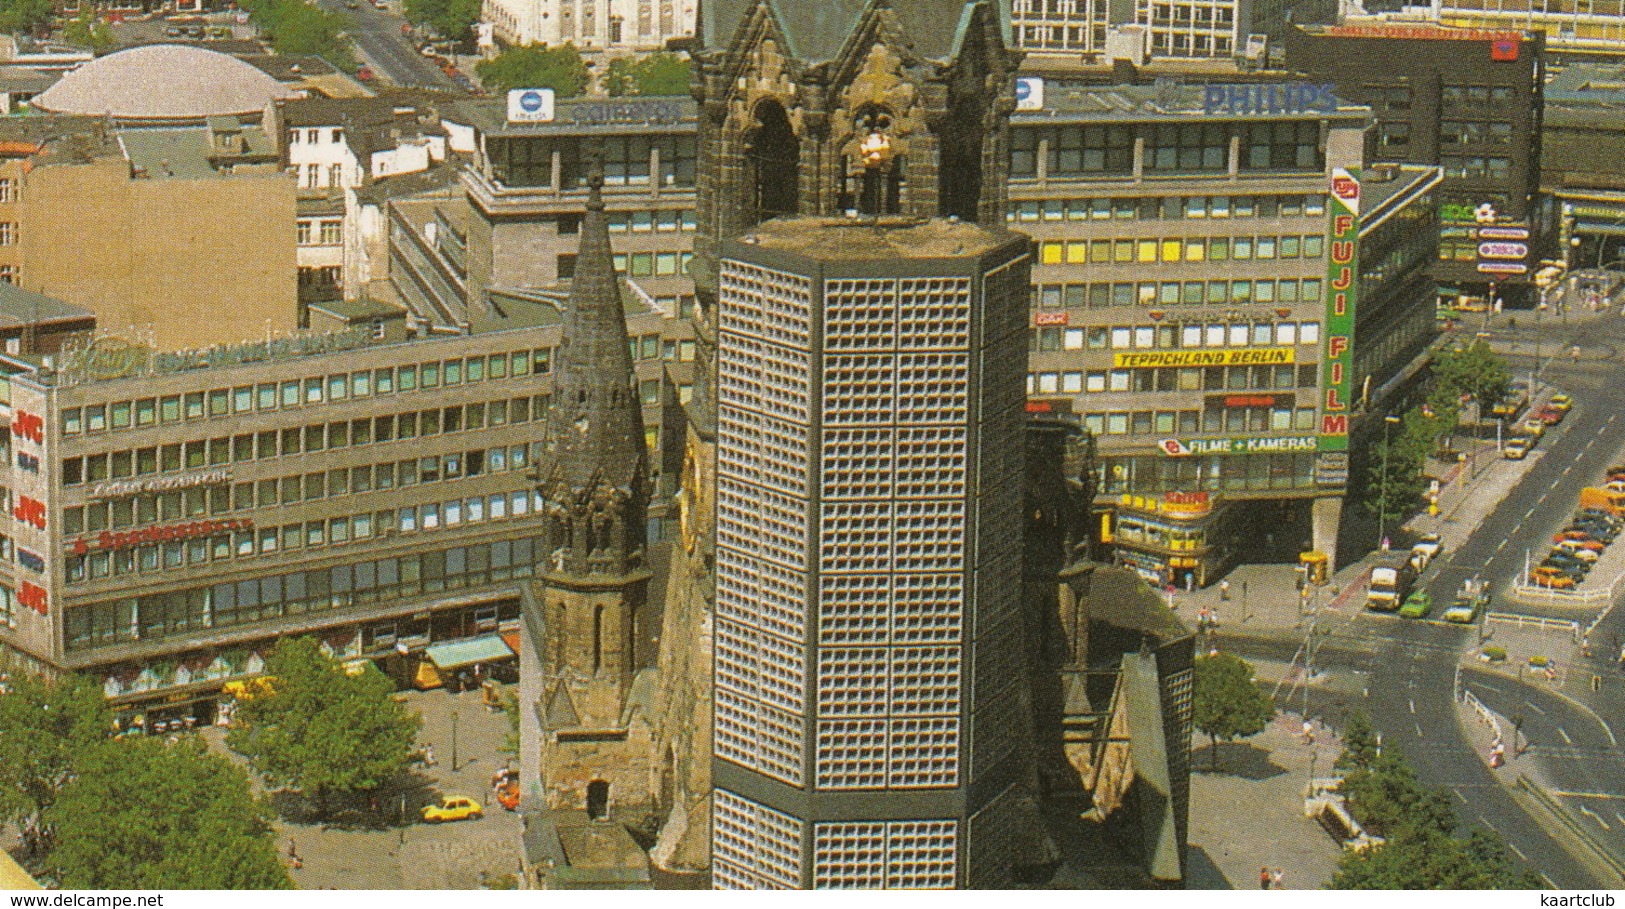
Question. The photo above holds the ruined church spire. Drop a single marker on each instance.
(595, 462)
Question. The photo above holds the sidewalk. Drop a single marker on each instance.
(1269, 774)
(376, 852)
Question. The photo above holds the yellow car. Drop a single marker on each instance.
(1561, 403)
(1517, 448)
(453, 808)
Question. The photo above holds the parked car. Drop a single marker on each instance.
(1532, 426)
(453, 808)
(364, 74)
(1425, 550)
(1561, 403)
(1542, 576)
(1517, 448)
(1417, 605)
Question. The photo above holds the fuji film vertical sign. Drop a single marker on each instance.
(1342, 286)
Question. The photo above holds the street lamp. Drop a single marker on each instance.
(1382, 501)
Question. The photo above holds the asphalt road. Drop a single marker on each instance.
(393, 57)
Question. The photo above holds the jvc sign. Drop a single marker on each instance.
(1270, 98)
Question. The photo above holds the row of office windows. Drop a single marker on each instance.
(1168, 148)
(290, 490)
(1129, 251)
(191, 612)
(1283, 377)
(1187, 336)
(311, 390)
(626, 160)
(243, 544)
(1169, 293)
(1151, 474)
(1476, 167)
(294, 440)
(1168, 208)
(324, 232)
(637, 222)
(1214, 419)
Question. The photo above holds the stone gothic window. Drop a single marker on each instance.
(774, 155)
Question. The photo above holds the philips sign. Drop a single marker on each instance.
(530, 105)
(1278, 98)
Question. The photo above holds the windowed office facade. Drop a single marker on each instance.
(1181, 298)
(168, 525)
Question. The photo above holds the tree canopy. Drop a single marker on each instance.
(25, 15)
(450, 19)
(1472, 371)
(88, 30)
(1227, 702)
(536, 66)
(304, 29)
(1421, 851)
(46, 730)
(324, 731)
(145, 814)
(659, 73)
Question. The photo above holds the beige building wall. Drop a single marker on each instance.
(185, 262)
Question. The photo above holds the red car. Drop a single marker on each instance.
(1550, 416)
(364, 74)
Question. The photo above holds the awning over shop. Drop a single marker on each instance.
(1616, 228)
(468, 651)
(511, 638)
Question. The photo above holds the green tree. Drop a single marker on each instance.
(450, 19)
(46, 729)
(25, 15)
(510, 709)
(88, 30)
(304, 29)
(1474, 371)
(1434, 861)
(1227, 702)
(1388, 800)
(659, 73)
(1360, 746)
(1397, 472)
(324, 731)
(144, 814)
(536, 66)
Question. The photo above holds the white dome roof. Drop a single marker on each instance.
(163, 82)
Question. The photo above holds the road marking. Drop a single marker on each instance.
(1620, 816)
(1500, 547)
(1607, 796)
(1528, 513)
(1547, 878)
(1463, 798)
(1595, 816)
(1554, 483)
(1604, 724)
(1535, 708)
(1514, 847)
(1488, 686)
(1418, 729)
(1413, 705)
(1564, 733)
(1568, 468)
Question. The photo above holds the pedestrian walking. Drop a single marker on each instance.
(428, 755)
(1276, 877)
(1264, 879)
(293, 850)
(1308, 732)
(1190, 581)
(1224, 590)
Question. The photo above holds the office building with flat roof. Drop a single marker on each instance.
(1188, 306)
(869, 707)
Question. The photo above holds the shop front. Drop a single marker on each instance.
(1171, 538)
